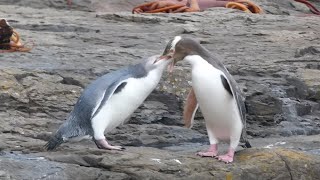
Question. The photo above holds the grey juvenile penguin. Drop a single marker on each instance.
(108, 102)
(217, 94)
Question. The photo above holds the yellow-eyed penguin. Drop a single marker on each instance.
(108, 102)
(217, 94)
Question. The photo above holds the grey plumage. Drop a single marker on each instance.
(78, 122)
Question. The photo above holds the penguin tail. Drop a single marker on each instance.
(54, 142)
(69, 129)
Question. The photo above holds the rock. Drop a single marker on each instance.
(2, 146)
(154, 135)
(274, 59)
(18, 166)
(4, 175)
(300, 7)
(305, 51)
(249, 164)
(312, 82)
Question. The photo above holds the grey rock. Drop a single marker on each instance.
(274, 58)
(300, 7)
(4, 175)
(19, 166)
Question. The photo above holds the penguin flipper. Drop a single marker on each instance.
(226, 84)
(116, 88)
(233, 89)
(190, 109)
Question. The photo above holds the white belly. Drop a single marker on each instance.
(121, 105)
(218, 107)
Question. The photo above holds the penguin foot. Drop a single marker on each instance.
(207, 154)
(212, 152)
(103, 144)
(225, 158)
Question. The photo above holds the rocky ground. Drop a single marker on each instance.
(275, 58)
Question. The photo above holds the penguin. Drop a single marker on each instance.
(217, 94)
(108, 102)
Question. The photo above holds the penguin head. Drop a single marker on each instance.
(180, 47)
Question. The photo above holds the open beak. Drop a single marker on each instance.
(162, 58)
(165, 57)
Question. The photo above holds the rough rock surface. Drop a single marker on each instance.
(275, 58)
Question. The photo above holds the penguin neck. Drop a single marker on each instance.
(160, 68)
(196, 60)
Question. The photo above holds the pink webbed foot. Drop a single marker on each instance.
(207, 154)
(227, 158)
(212, 152)
(103, 144)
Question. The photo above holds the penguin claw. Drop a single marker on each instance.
(207, 154)
(225, 158)
(118, 148)
(103, 144)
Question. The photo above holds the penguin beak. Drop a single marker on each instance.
(165, 56)
(162, 58)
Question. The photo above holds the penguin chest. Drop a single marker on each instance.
(122, 104)
(217, 105)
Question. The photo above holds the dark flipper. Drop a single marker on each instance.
(240, 103)
(120, 87)
(226, 84)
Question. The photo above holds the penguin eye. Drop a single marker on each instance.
(168, 47)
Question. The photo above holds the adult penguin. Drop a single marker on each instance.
(217, 94)
(108, 102)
